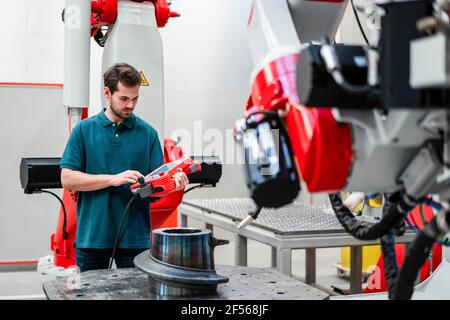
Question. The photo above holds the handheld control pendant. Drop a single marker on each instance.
(160, 181)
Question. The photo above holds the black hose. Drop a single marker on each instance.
(389, 261)
(359, 23)
(194, 187)
(116, 242)
(254, 214)
(388, 247)
(400, 228)
(64, 226)
(369, 231)
(415, 258)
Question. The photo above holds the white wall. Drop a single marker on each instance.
(33, 125)
(31, 45)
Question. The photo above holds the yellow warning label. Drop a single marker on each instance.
(144, 81)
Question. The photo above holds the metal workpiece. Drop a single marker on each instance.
(184, 247)
(167, 280)
(181, 262)
(285, 220)
(132, 284)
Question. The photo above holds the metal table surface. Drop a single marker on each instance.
(132, 284)
(293, 219)
(297, 226)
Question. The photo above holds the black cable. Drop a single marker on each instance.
(370, 231)
(400, 228)
(415, 257)
(389, 261)
(388, 248)
(255, 213)
(359, 23)
(64, 228)
(119, 229)
(194, 187)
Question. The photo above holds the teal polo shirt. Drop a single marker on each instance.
(99, 146)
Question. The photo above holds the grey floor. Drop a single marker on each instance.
(28, 284)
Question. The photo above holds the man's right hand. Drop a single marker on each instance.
(80, 181)
(126, 177)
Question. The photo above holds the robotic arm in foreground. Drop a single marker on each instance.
(352, 118)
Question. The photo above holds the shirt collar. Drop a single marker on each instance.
(129, 122)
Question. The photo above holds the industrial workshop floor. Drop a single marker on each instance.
(28, 284)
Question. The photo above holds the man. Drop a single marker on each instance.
(104, 155)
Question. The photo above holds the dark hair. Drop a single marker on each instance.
(123, 72)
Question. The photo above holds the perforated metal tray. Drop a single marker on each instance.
(297, 218)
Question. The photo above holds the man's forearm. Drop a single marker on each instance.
(80, 181)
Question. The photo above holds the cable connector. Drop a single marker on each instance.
(250, 218)
(245, 222)
(145, 190)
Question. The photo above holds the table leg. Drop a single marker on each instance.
(240, 251)
(310, 268)
(273, 257)
(284, 261)
(356, 269)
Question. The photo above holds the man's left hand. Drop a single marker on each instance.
(181, 180)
